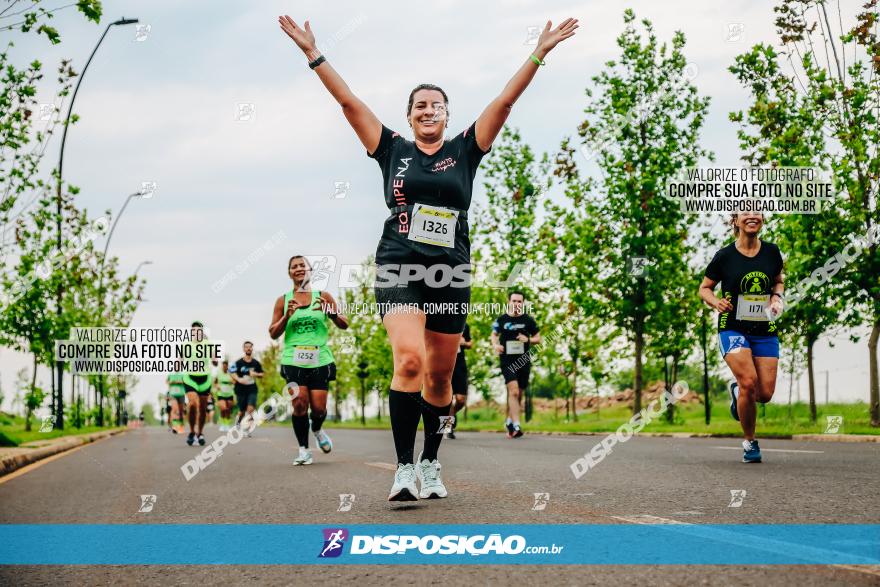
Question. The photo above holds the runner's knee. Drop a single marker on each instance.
(748, 386)
(764, 395)
(408, 364)
(435, 379)
(300, 405)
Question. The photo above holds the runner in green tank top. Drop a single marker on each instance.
(176, 402)
(198, 390)
(303, 316)
(224, 388)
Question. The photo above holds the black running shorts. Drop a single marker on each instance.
(520, 374)
(310, 377)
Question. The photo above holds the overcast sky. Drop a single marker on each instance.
(164, 110)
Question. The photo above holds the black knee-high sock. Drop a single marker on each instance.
(301, 429)
(318, 420)
(405, 409)
(431, 418)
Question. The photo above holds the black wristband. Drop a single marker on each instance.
(776, 293)
(317, 62)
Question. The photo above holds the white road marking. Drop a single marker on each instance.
(867, 569)
(815, 452)
(648, 519)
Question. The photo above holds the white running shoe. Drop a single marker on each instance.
(404, 488)
(429, 478)
(324, 441)
(304, 457)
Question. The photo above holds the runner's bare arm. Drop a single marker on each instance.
(496, 344)
(707, 294)
(494, 116)
(279, 319)
(328, 304)
(359, 116)
(778, 288)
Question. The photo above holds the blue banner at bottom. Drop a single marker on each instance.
(588, 544)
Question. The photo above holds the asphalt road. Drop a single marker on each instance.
(491, 479)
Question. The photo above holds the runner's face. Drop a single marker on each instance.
(248, 349)
(428, 115)
(516, 304)
(298, 270)
(225, 366)
(750, 223)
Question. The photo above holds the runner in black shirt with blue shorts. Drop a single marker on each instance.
(750, 272)
(424, 247)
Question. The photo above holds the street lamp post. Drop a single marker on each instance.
(142, 263)
(101, 292)
(59, 365)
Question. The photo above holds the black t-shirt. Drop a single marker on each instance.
(409, 176)
(750, 277)
(508, 328)
(243, 368)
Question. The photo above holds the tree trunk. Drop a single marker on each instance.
(574, 377)
(54, 401)
(790, 386)
(673, 377)
(27, 413)
(811, 379)
(99, 400)
(637, 386)
(59, 413)
(363, 404)
(872, 368)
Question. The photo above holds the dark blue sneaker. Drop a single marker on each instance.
(734, 388)
(509, 426)
(752, 454)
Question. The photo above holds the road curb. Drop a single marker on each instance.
(65, 443)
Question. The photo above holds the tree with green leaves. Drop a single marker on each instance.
(508, 252)
(816, 100)
(624, 244)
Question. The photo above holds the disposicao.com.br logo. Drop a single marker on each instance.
(451, 544)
